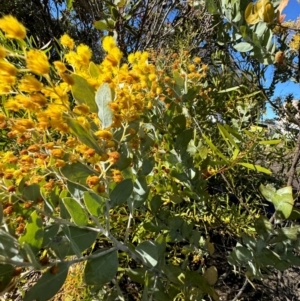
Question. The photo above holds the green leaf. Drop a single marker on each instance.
(84, 238)
(94, 70)
(31, 256)
(282, 199)
(243, 254)
(243, 47)
(211, 275)
(34, 232)
(83, 92)
(147, 166)
(49, 233)
(155, 203)
(267, 257)
(227, 137)
(94, 203)
(31, 192)
(6, 275)
(83, 135)
(76, 172)
(69, 4)
(77, 213)
(103, 98)
(255, 167)
(211, 7)
(137, 274)
(214, 148)
(140, 191)
(101, 25)
(76, 190)
(230, 89)
(263, 227)
(100, 270)
(295, 214)
(270, 142)
(148, 251)
(1, 214)
(194, 279)
(49, 284)
(121, 192)
(178, 124)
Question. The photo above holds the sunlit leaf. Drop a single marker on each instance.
(101, 25)
(243, 47)
(83, 92)
(34, 232)
(94, 70)
(148, 251)
(282, 199)
(255, 167)
(94, 203)
(103, 98)
(76, 211)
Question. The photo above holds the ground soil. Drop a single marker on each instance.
(233, 286)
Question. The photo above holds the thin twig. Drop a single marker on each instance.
(295, 161)
(241, 290)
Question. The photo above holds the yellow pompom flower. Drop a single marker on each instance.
(67, 42)
(37, 62)
(12, 27)
(7, 68)
(108, 43)
(60, 66)
(30, 84)
(57, 153)
(104, 134)
(84, 53)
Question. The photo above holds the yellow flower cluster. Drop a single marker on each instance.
(12, 27)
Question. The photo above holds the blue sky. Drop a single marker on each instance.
(292, 12)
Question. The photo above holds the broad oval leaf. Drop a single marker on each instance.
(83, 92)
(49, 284)
(9, 246)
(83, 135)
(77, 213)
(34, 232)
(211, 275)
(121, 192)
(103, 98)
(101, 25)
(83, 237)
(76, 172)
(98, 271)
(94, 70)
(94, 203)
(282, 199)
(243, 47)
(148, 251)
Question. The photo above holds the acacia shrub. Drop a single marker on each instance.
(107, 165)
